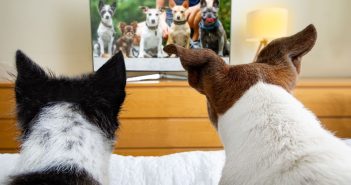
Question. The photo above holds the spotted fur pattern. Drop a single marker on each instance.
(67, 124)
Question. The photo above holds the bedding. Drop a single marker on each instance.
(187, 168)
(200, 168)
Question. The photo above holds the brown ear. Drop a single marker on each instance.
(171, 3)
(162, 9)
(287, 50)
(195, 61)
(134, 25)
(121, 26)
(186, 4)
(144, 8)
(189, 57)
(203, 3)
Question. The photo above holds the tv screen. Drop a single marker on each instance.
(141, 28)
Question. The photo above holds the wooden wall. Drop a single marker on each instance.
(168, 117)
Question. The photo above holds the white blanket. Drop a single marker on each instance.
(188, 168)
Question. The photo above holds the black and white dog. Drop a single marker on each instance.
(212, 33)
(106, 31)
(67, 124)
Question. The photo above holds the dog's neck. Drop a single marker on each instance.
(107, 24)
(152, 28)
(179, 22)
(213, 26)
(62, 139)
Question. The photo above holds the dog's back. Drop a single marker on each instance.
(67, 124)
(269, 137)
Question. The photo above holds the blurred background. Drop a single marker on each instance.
(57, 34)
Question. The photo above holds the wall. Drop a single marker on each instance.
(331, 56)
(56, 34)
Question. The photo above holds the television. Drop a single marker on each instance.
(141, 28)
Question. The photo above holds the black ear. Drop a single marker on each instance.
(203, 3)
(113, 6)
(113, 72)
(30, 82)
(287, 50)
(110, 81)
(101, 4)
(27, 70)
(215, 3)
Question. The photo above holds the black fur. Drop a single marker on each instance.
(99, 96)
(53, 177)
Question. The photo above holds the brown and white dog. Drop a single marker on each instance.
(180, 29)
(269, 137)
(126, 41)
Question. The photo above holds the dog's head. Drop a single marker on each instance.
(209, 11)
(152, 15)
(98, 97)
(179, 11)
(128, 31)
(106, 11)
(278, 63)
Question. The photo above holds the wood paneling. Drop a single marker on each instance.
(138, 135)
(7, 103)
(8, 134)
(183, 102)
(169, 117)
(326, 102)
(341, 127)
(165, 102)
(163, 133)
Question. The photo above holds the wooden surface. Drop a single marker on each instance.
(168, 117)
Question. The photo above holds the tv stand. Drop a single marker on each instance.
(158, 76)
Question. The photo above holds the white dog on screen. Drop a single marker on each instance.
(151, 34)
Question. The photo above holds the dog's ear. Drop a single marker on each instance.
(144, 8)
(113, 6)
(27, 70)
(101, 4)
(185, 4)
(134, 24)
(188, 58)
(203, 3)
(171, 3)
(215, 3)
(110, 81)
(162, 9)
(30, 82)
(121, 26)
(113, 73)
(289, 50)
(194, 61)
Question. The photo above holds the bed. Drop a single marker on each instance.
(185, 168)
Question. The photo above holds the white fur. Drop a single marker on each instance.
(151, 38)
(270, 138)
(40, 153)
